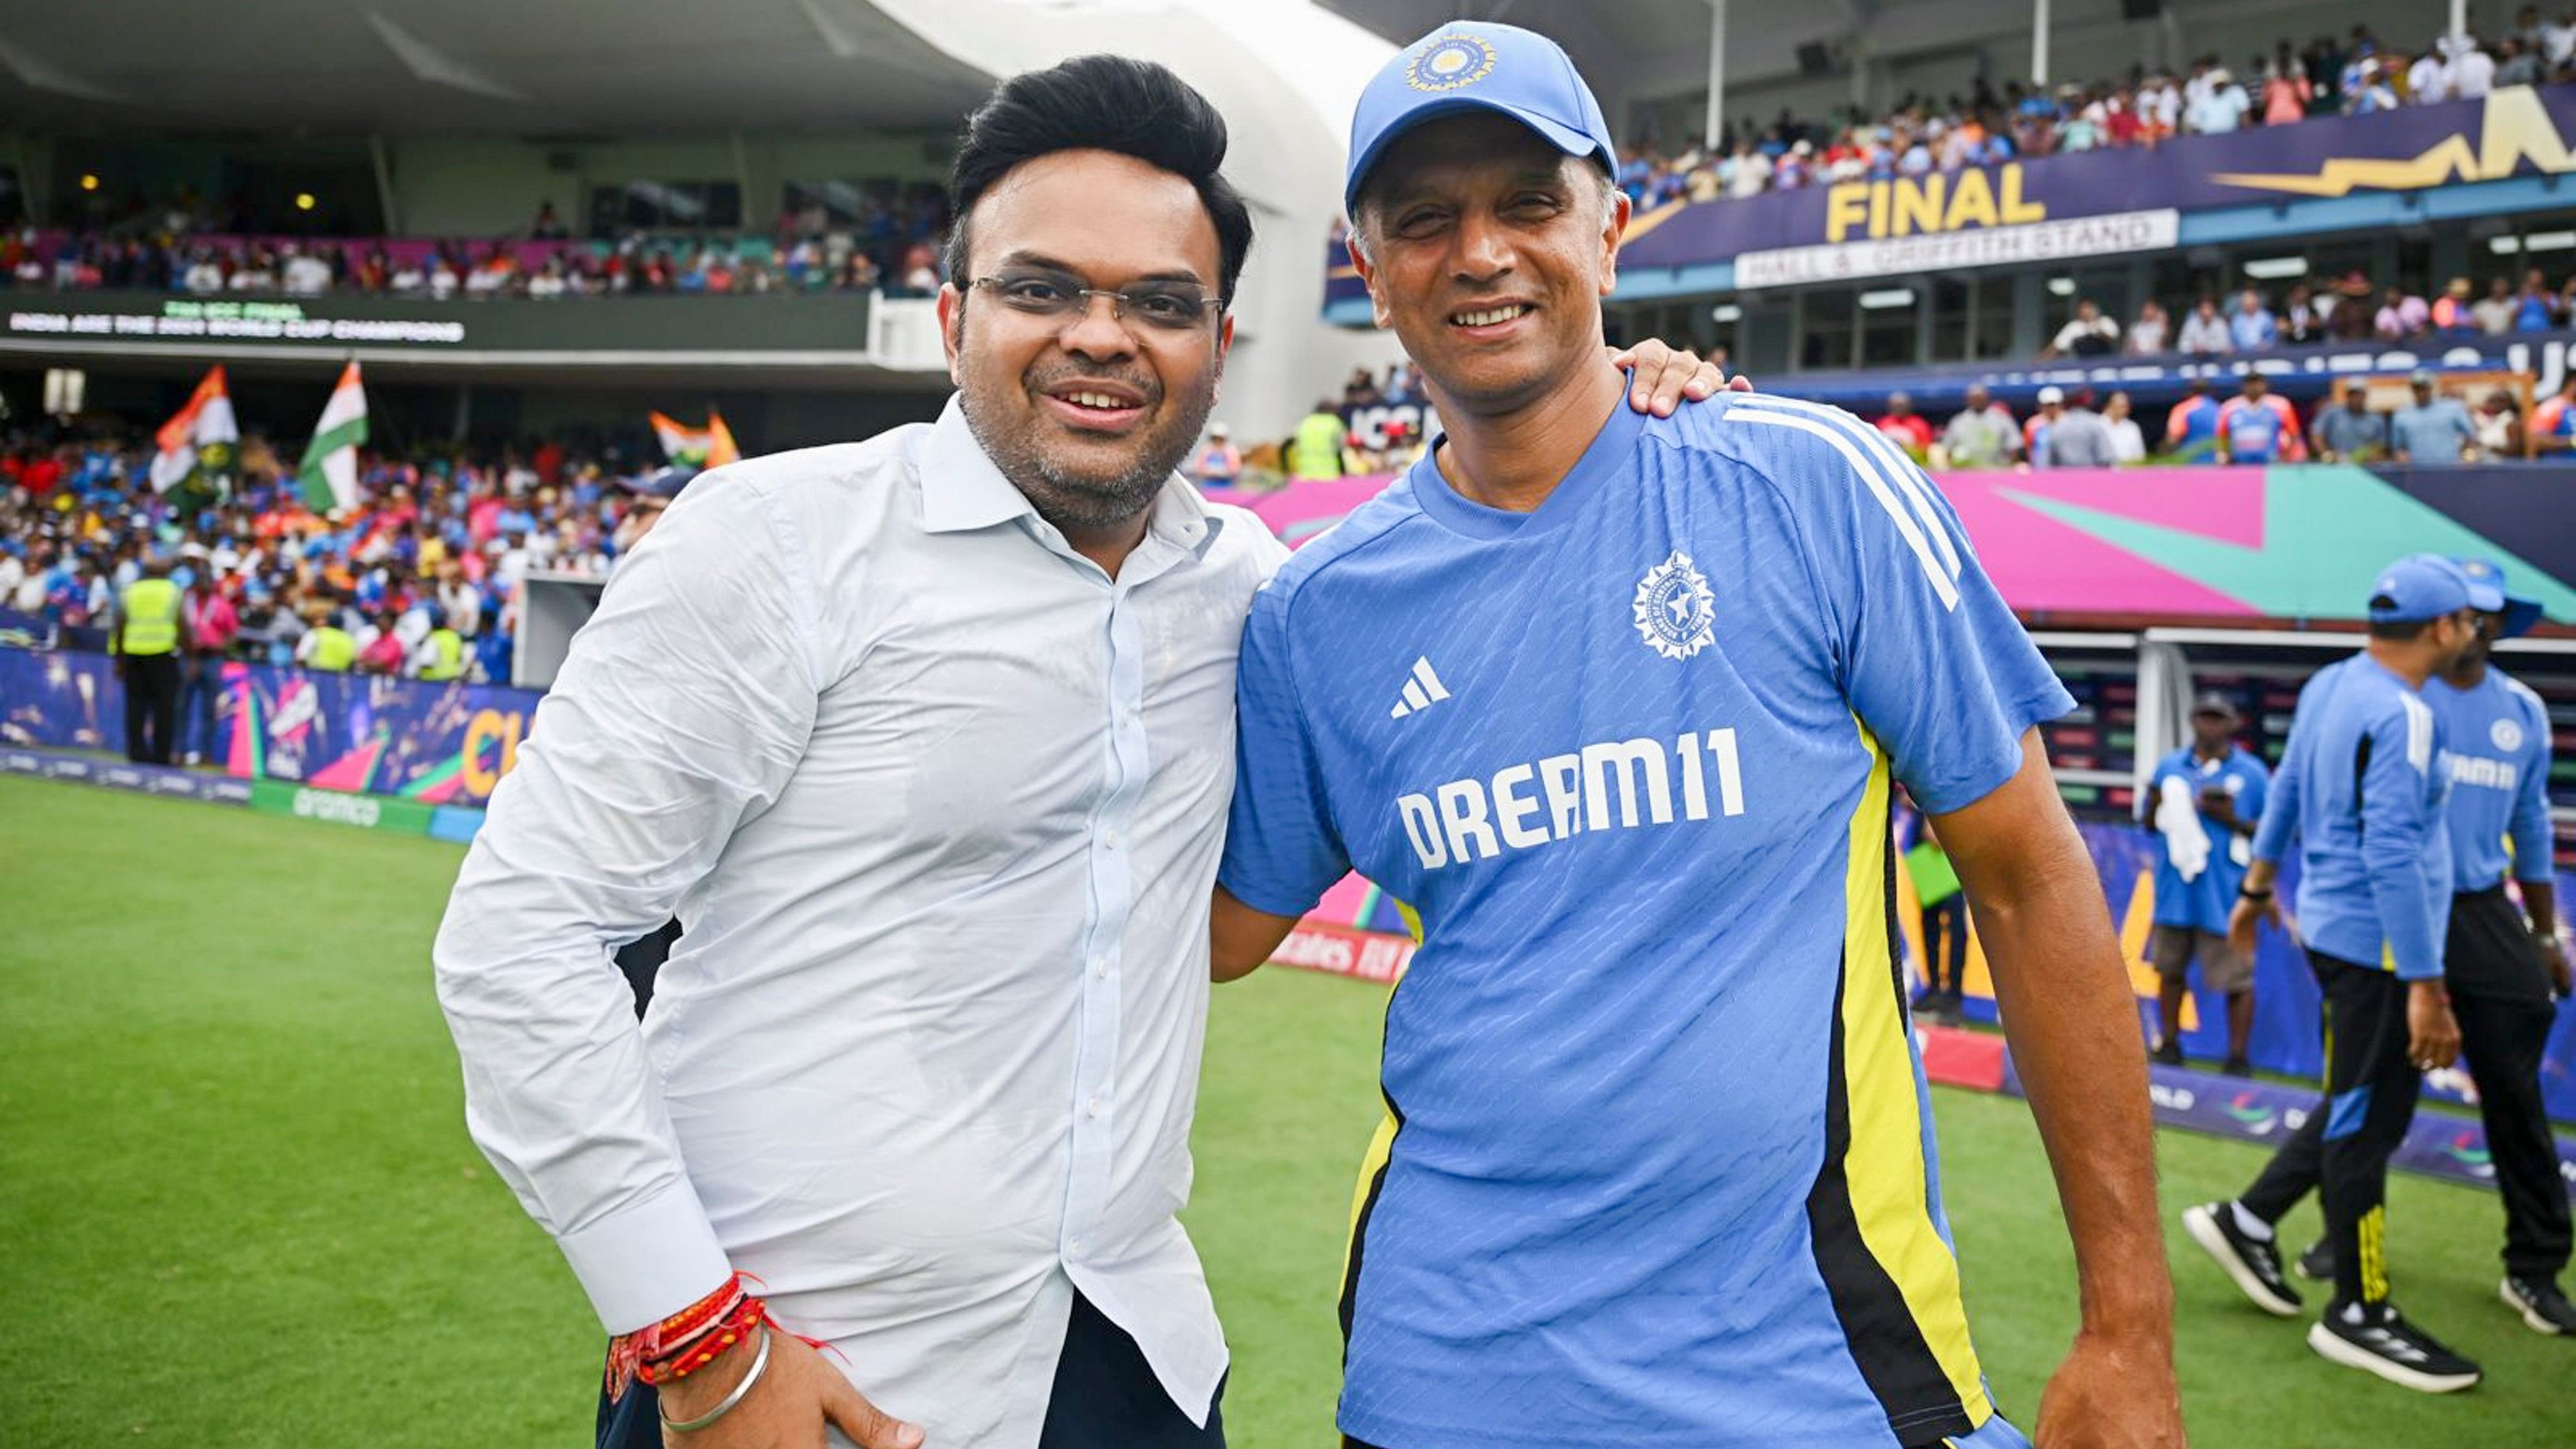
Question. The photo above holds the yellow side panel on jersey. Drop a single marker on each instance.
(1890, 1192)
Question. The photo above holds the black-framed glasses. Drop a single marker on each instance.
(1161, 306)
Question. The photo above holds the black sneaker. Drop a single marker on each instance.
(2384, 1343)
(2539, 1302)
(2168, 1052)
(2237, 1067)
(2255, 1266)
(2317, 1263)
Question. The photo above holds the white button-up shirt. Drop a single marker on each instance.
(938, 803)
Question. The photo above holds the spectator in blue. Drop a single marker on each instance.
(2536, 310)
(2191, 428)
(2203, 802)
(2348, 431)
(2251, 325)
(2431, 429)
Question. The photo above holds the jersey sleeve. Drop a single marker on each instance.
(2254, 802)
(1281, 848)
(1929, 656)
(2530, 830)
(2397, 824)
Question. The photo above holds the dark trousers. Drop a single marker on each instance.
(151, 707)
(1945, 944)
(203, 680)
(2500, 993)
(2342, 1150)
(1105, 1397)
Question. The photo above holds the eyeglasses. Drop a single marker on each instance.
(1160, 306)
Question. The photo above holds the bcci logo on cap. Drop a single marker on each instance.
(1450, 62)
(1676, 613)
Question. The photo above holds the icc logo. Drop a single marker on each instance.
(1676, 613)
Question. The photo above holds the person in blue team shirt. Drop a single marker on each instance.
(1616, 705)
(2504, 972)
(2360, 790)
(2203, 802)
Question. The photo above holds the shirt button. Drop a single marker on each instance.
(1100, 968)
(1092, 1107)
(1109, 841)
(1073, 1245)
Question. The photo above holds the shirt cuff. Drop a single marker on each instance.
(646, 1262)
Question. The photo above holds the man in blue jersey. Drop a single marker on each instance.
(1615, 706)
(2361, 790)
(2202, 802)
(2504, 972)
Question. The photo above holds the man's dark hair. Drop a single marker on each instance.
(1101, 103)
(2401, 631)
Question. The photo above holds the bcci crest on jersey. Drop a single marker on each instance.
(1676, 611)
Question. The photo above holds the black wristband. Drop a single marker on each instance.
(2251, 894)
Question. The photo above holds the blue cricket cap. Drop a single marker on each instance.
(665, 484)
(2419, 586)
(1472, 65)
(2489, 593)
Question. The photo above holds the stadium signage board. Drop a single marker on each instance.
(2518, 131)
(831, 329)
(1338, 950)
(2043, 241)
(337, 807)
(191, 317)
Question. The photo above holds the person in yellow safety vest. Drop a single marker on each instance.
(1315, 451)
(145, 642)
(440, 657)
(326, 646)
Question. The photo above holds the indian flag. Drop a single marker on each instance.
(200, 439)
(709, 447)
(329, 475)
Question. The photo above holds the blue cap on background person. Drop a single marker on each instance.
(665, 485)
(2489, 593)
(2419, 586)
(1471, 65)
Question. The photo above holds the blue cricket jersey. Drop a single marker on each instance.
(2361, 788)
(2202, 903)
(2498, 736)
(1657, 1170)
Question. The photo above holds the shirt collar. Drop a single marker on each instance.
(962, 490)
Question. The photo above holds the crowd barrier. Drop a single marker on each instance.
(1359, 931)
(311, 744)
(416, 745)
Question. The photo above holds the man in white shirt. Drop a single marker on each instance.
(2472, 69)
(306, 275)
(2428, 81)
(2558, 41)
(928, 742)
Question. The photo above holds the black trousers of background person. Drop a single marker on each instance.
(151, 707)
(2342, 1150)
(2500, 993)
(1105, 1396)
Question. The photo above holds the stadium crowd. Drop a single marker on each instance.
(2350, 309)
(441, 541)
(2356, 74)
(891, 246)
(2251, 424)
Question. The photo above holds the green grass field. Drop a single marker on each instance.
(240, 1207)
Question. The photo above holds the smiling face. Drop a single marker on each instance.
(1085, 413)
(1488, 251)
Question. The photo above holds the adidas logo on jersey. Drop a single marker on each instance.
(1422, 691)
